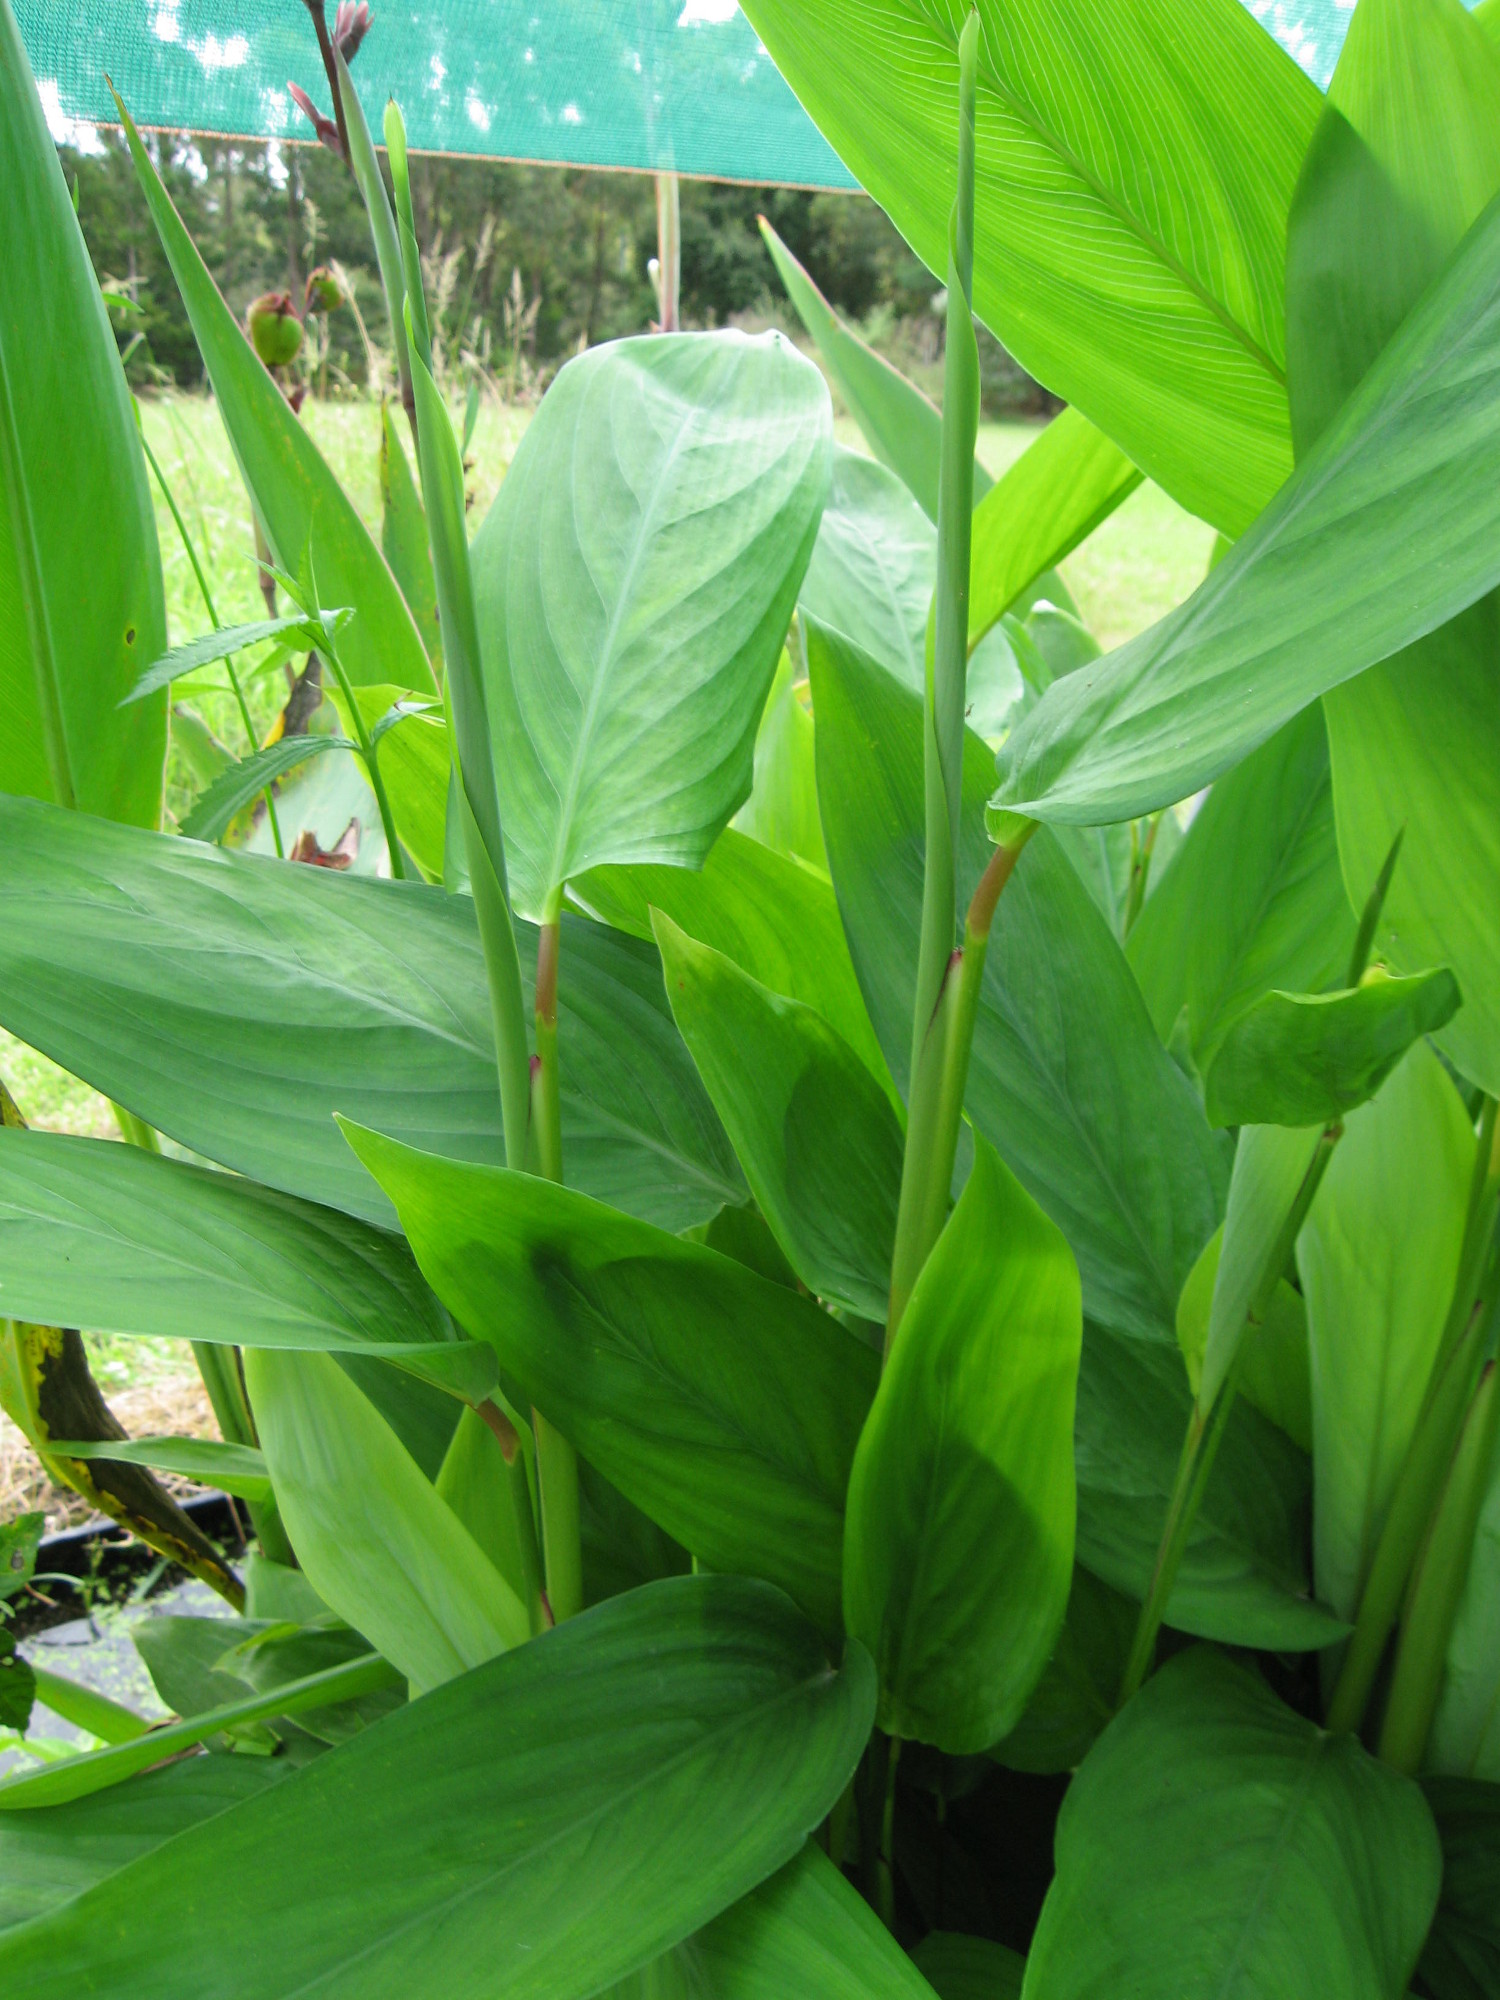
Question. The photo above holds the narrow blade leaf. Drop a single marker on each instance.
(399, 1565)
(902, 428)
(214, 811)
(81, 603)
(304, 509)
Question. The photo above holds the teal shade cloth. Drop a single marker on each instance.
(650, 84)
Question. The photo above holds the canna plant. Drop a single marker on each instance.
(862, 1352)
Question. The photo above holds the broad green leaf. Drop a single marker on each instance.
(1342, 308)
(875, 563)
(1378, 1257)
(192, 1669)
(902, 428)
(633, 583)
(491, 1496)
(1254, 899)
(805, 1932)
(773, 915)
(236, 1004)
(726, 1407)
(55, 1852)
(403, 534)
(1416, 742)
(1274, 1372)
(422, 1415)
(1244, 1575)
(97, 1770)
(285, 1651)
(530, 1831)
(873, 566)
(1465, 1739)
(1385, 531)
(1076, 1695)
(1051, 499)
(1308, 1058)
(969, 1968)
(622, 1548)
(379, 1544)
(1416, 745)
(215, 810)
(1216, 1842)
(1068, 1080)
(1123, 252)
(1417, 80)
(298, 631)
(300, 504)
(958, 1542)
(743, 1234)
(1271, 1162)
(782, 809)
(119, 1240)
(81, 605)
(1059, 638)
(238, 1469)
(493, 1499)
(816, 1135)
(1461, 1959)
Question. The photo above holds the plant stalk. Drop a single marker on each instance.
(948, 627)
(668, 251)
(208, 602)
(1141, 849)
(941, 1007)
(885, 1865)
(326, 51)
(382, 229)
(441, 471)
(370, 754)
(1438, 1586)
(1206, 1427)
(556, 1460)
(1418, 1490)
(938, 1085)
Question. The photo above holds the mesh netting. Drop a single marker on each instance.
(654, 84)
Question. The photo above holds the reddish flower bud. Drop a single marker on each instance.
(324, 293)
(275, 330)
(350, 26)
(327, 131)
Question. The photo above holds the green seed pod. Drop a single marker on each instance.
(324, 293)
(275, 330)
